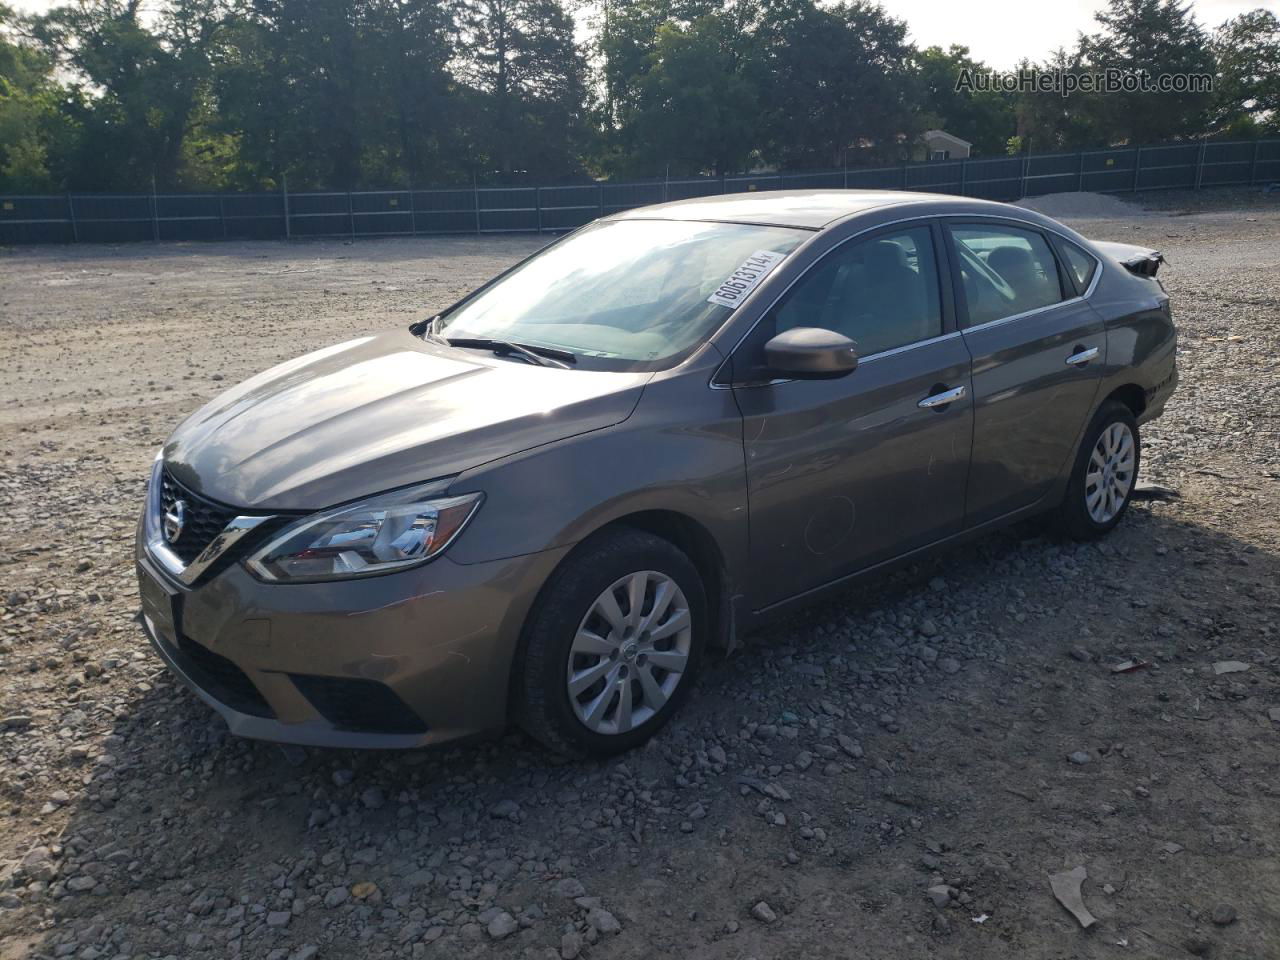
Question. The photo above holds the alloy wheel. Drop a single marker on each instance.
(630, 652)
(1110, 475)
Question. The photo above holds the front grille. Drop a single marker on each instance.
(221, 678)
(203, 519)
(358, 705)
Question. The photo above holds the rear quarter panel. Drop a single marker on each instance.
(1141, 338)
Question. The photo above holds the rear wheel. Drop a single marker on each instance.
(612, 645)
(1104, 474)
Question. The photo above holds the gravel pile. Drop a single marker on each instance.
(1082, 206)
(895, 772)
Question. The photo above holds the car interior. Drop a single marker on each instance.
(1005, 272)
(881, 293)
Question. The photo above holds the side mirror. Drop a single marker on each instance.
(811, 353)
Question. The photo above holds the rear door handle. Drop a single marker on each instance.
(943, 398)
(1082, 356)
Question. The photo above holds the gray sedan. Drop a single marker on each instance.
(549, 502)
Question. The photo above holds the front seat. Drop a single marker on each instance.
(889, 305)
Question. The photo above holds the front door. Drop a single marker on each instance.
(1038, 352)
(842, 474)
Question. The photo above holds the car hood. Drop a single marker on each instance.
(382, 412)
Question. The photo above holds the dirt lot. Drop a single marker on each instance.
(954, 731)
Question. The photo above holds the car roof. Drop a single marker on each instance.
(810, 209)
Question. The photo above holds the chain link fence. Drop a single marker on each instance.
(117, 218)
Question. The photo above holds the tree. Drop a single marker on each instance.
(411, 42)
(1159, 37)
(1048, 121)
(150, 80)
(529, 76)
(986, 118)
(690, 99)
(1248, 90)
(34, 131)
(833, 79)
(625, 45)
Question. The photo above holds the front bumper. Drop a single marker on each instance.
(412, 658)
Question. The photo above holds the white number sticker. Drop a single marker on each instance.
(746, 278)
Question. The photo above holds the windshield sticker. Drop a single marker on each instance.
(746, 278)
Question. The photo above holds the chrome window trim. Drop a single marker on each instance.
(861, 360)
(1027, 224)
(908, 346)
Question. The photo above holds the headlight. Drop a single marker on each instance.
(379, 535)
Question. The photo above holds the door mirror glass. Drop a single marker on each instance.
(811, 353)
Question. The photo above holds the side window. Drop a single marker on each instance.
(1081, 265)
(1004, 271)
(881, 293)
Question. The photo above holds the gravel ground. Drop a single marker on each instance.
(894, 773)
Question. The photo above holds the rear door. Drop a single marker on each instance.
(842, 474)
(1038, 352)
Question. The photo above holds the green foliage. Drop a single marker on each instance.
(347, 94)
(692, 106)
(31, 123)
(838, 81)
(1160, 37)
(529, 78)
(1048, 121)
(985, 118)
(1248, 91)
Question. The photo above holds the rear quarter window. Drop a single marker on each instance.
(1081, 264)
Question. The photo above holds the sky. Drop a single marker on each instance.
(998, 32)
(1001, 32)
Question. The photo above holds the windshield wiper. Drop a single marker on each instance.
(540, 356)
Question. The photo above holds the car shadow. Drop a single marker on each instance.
(174, 806)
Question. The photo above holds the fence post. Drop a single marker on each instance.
(284, 184)
(1200, 164)
(222, 216)
(1137, 167)
(1022, 181)
(666, 178)
(1253, 164)
(537, 203)
(1080, 172)
(904, 174)
(964, 176)
(75, 227)
(600, 197)
(351, 216)
(155, 212)
(475, 189)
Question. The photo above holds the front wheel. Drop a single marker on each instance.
(1103, 476)
(612, 645)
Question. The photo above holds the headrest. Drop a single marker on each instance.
(885, 255)
(1007, 260)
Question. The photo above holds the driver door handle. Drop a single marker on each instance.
(943, 398)
(1081, 357)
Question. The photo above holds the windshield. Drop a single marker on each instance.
(625, 294)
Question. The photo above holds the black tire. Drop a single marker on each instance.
(542, 705)
(1073, 518)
